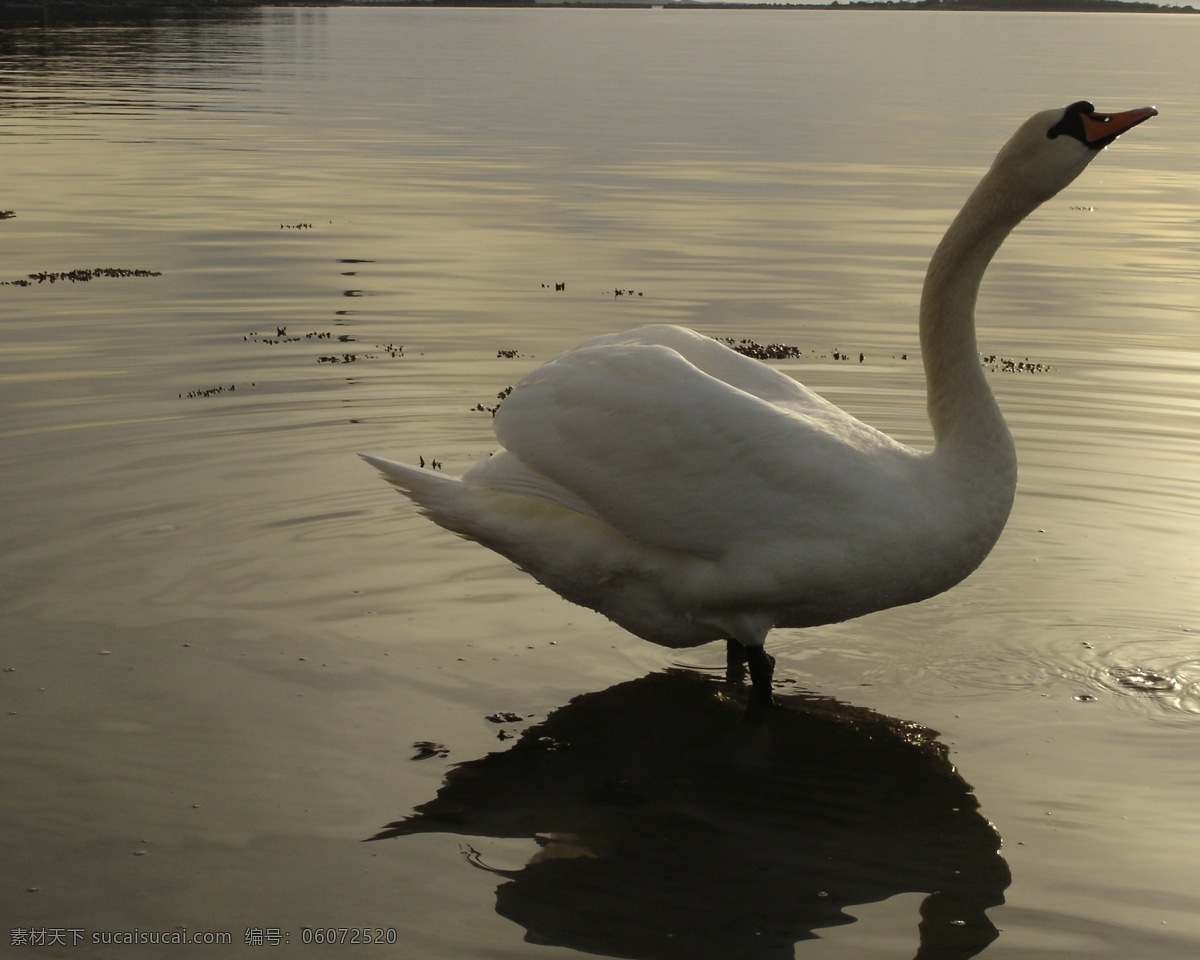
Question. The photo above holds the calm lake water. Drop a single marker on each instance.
(222, 635)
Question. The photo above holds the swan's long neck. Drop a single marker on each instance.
(965, 418)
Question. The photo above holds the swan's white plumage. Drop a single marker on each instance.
(692, 494)
(625, 422)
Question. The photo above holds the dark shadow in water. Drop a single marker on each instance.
(673, 825)
(72, 13)
(135, 48)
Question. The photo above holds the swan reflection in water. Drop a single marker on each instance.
(672, 825)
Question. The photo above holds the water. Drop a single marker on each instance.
(222, 635)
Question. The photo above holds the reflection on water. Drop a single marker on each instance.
(71, 69)
(673, 825)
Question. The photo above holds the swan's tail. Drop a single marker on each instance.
(434, 494)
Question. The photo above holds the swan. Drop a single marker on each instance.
(692, 494)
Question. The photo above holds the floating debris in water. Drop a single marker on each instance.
(210, 391)
(625, 292)
(78, 276)
(558, 287)
(507, 717)
(1085, 698)
(295, 226)
(782, 351)
(1009, 365)
(761, 351)
(7, 214)
(480, 408)
(281, 336)
(427, 749)
(507, 354)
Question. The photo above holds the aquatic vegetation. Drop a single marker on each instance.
(78, 276)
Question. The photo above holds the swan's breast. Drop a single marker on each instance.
(902, 536)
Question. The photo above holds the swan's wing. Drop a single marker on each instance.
(675, 457)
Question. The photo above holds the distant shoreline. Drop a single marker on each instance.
(997, 6)
(1000, 6)
(73, 12)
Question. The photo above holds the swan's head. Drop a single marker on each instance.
(1051, 148)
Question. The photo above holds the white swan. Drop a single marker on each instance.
(693, 494)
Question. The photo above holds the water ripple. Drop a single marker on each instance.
(1155, 675)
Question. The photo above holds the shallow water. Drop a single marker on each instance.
(222, 635)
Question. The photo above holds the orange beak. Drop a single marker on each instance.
(1101, 129)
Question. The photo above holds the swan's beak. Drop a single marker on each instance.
(1101, 129)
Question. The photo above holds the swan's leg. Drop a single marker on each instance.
(739, 655)
(735, 662)
(762, 669)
